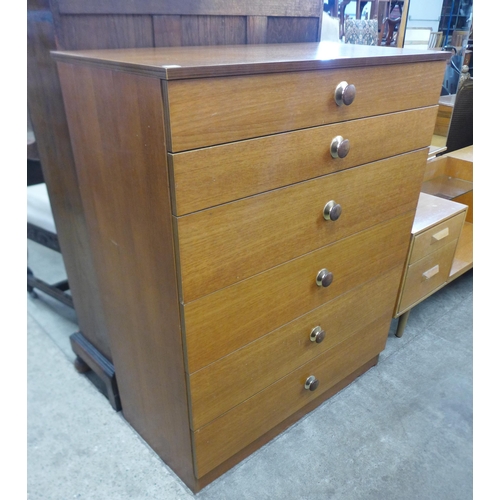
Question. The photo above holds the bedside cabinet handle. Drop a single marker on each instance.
(317, 335)
(324, 278)
(345, 94)
(339, 148)
(431, 272)
(332, 211)
(312, 383)
(440, 235)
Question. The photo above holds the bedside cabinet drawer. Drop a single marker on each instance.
(427, 274)
(209, 111)
(223, 384)
(211, 176)
(226, 244)
(436, 237)
(237, 428)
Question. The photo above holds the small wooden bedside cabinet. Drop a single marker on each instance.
(434, 238)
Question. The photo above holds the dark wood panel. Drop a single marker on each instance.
(256, 29)
(105, 32)
(116, 125)
(292, 30)
(49, 123)
(213, 30)
(303, 8)
(38, 5)
(167, 31)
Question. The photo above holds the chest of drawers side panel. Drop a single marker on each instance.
(210, 111)
(117, 131)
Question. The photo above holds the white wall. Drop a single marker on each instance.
(424, 14)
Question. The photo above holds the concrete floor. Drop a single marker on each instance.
(401, 431)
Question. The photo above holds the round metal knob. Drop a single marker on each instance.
(312, 383)
(332, 211)
(339, 148)
(317, 335)
(345, 94)
(324, 278)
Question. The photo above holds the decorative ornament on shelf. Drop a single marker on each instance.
(464, 75)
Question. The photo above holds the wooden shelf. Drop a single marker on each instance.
(446, 187)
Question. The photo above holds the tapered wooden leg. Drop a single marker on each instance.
(403, 319)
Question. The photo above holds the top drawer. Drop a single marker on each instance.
(437, 236)
(208, 111)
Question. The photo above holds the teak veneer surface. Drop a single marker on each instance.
(222, 385)
(223, 437)
(226, 320)
(226, 244)
(416, 286)
(214, 175)
(173, 63)
(426, 242)
(258, 105)
(166, 323)
(121, 143)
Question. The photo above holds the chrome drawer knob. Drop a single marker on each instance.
(312, 383)
(339, 148)
(324, 278)
(317, 335)
(332, 211)
(345, 94)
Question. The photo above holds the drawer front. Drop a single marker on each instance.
(228, 319)
(436, 237)
(211, 176)
(222, 438)
(427, 275)
(229, 381)
(209, 111)
(226, 244)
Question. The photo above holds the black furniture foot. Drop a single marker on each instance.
(90, 360)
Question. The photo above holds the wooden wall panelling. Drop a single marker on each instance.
(213, 30)
(257, 29)
(110, 31)
(50, 127)
(167, 31)
(291, 30)
(291, 8)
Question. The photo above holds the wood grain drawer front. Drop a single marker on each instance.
(226, 244)
(208, 111)
(229, 381)
(237, 428)
(211, 176)
(228, 319)
(426, 275)
(436, 237)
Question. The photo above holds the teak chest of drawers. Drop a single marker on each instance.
(250, 210)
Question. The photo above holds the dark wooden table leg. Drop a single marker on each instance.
(89, 358)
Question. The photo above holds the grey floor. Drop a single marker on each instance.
(401, 431)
